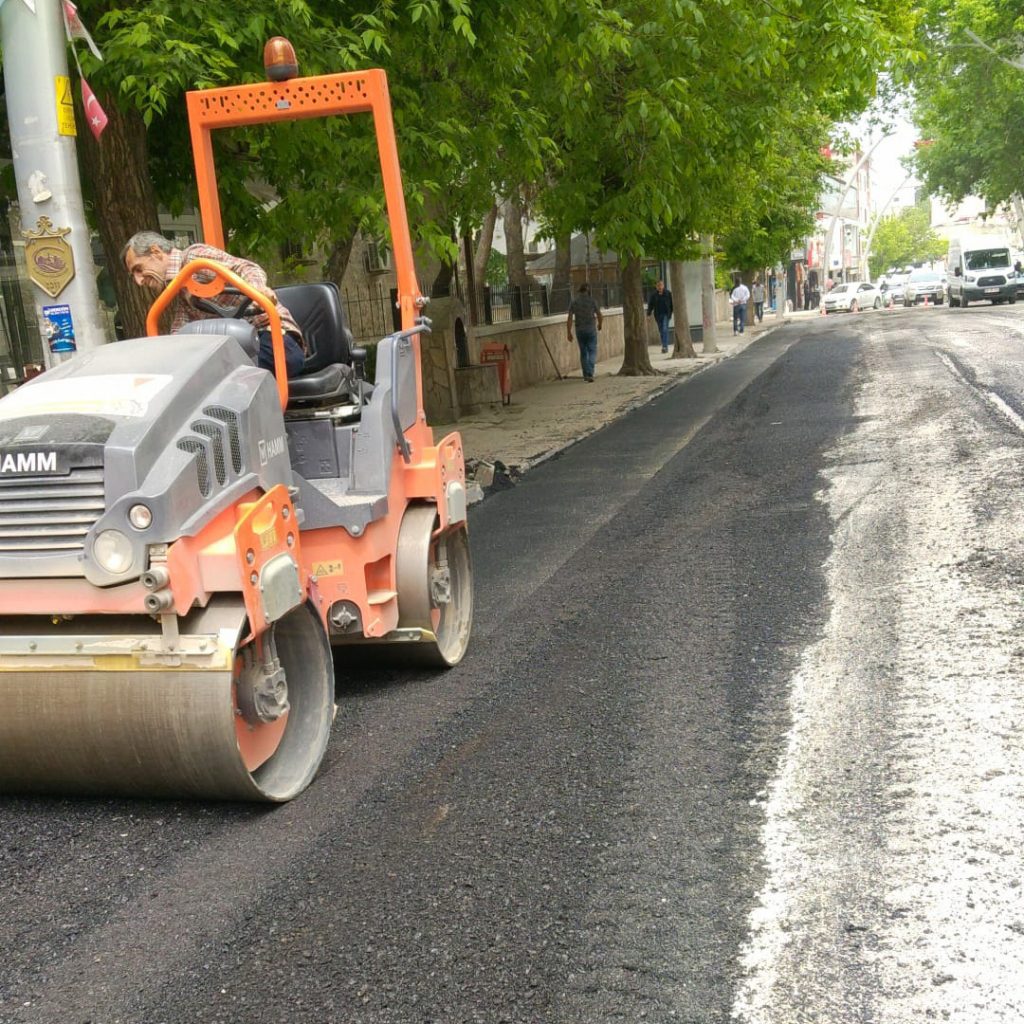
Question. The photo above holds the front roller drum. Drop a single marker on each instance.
(435, 588)
(120, 725)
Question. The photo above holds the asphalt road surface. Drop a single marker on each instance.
(740, 738)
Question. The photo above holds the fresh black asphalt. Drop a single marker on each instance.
(562, 829)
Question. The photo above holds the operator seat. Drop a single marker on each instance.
(329, 374)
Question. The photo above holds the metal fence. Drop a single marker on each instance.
(511, 303)
(372, 311)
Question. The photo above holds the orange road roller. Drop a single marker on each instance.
(187, 542)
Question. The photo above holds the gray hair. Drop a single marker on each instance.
(142, 241)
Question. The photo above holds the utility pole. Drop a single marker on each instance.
(781, 291)
(709, 331)
(41, 115)
(839, 207)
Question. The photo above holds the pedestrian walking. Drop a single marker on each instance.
(739, 297)
(660, 307)
(587, 315)
(757, 297)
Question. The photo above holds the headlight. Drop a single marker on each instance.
(969, 278)
(140, 517)
(113, 550)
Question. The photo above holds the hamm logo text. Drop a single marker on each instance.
(28, 462)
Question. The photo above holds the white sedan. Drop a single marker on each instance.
(851, 296)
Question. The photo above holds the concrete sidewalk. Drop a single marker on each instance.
(505, 441)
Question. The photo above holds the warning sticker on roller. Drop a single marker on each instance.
(112, 394)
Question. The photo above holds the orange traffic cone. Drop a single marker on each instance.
(926, 302)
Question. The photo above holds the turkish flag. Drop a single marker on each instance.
(94, 113)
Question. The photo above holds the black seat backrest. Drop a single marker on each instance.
(317, 311)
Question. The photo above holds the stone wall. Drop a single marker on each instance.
(539, 346)
(539, 351)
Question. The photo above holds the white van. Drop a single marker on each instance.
(980, 268)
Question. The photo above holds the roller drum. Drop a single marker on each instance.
(120, 724)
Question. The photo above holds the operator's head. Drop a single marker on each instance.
(145, 257)
(661, 286)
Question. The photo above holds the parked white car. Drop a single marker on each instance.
(852, 296)
(924, 283)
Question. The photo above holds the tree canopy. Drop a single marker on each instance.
(966, 99)
(905, 238)
(646, 122)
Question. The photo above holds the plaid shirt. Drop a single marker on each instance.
(251, 273)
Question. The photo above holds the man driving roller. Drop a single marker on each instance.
(153, 262)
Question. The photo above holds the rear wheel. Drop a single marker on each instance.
(435, 588)
(878, 303)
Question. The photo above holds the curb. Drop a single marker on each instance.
(508, 476)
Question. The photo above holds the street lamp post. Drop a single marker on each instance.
(842, 199)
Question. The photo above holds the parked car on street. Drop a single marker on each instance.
(980, 268)
(894, 288)
(924, 284)
(852, 296)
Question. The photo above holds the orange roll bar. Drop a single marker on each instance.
(358, 92)
(185, 280)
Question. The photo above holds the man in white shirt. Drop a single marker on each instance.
(739, 298)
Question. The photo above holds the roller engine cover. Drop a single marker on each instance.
(187, 431)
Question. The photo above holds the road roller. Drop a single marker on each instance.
(190, 545)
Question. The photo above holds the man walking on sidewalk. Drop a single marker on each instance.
(660, 305)
(739, 298)
(587, 314)
(757, 296)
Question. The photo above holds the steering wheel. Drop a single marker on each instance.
(226, 312)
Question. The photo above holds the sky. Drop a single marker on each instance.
(887, 173)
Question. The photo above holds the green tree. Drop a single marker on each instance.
(457, 73)
(674, 108)
(904, 238)
(966, 99)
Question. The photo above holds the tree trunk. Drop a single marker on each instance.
(683, 348)
(636, 359)
(338, 259)
(513, 217)
(116, 168)
(561, 287)
(707, 293)
(484, 243)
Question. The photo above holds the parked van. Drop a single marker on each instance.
(980, 268)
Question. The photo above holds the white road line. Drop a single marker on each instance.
(990, 396)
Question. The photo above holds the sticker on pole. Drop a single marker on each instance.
(60, 328)
(65, 105)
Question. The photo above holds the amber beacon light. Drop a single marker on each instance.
(279, 59)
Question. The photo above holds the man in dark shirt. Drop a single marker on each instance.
(587, 314)
(660, 305)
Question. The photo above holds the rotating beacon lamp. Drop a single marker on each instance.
(279, 59)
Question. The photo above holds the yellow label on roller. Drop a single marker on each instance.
(327, 569)
(65, 105)
(268, 539)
